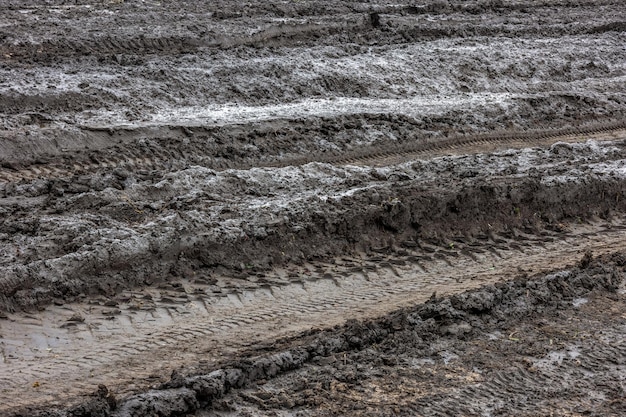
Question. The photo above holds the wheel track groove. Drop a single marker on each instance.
(292, 308)
(166, 159)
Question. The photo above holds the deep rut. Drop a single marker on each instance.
(129, 345)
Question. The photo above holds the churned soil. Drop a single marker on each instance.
(243, 209)
(542, 345)
(550, 345)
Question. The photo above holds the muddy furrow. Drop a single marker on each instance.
(125, 51)
(161, 157)
(458, 144)
(133, 232)
(180, 321)
(552, 345)
(197, 197)
(389, 25)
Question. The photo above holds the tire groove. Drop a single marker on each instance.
(299, 306)
(174, 156)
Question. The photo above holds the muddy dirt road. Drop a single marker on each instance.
(303, 208)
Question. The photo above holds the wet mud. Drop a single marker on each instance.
(532, 345)
(525, 347)
(279, 168)
(435, 68)
(119, 230)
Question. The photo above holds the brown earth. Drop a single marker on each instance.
(227, 210)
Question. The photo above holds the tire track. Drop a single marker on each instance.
(357, 23)
(550, 378)
(481, 143)
(110, 344)
(164, 159)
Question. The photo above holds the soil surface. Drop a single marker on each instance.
(305, 208)
(551, 345)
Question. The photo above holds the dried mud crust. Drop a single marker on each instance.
(548, 344)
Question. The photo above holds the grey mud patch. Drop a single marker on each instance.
(133, 137)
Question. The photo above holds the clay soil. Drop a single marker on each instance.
(310, 208)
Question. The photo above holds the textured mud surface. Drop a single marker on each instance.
(186, 187)
(307, 75)
(123, 230)
(547, 346)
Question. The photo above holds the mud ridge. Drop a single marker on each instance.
(173, 148)
(356, 27)
(464, 65)
(485, 309)
(374, 208)
(222, 313)
(401, 216)
(262, 198)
